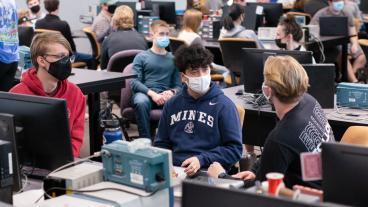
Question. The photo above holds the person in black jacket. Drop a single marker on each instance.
(53, 22)
(302, 125)
(123, 37)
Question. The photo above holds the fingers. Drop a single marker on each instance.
(191, 166)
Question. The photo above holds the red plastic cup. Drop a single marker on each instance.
(205, 17)
(274, 180)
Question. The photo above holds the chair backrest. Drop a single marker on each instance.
(25, 35)
(38, 31)
(241, 112)
(307, 16)
(232, 54)
(126, 92)
(364, 44)
(356, 135)
(96, 50)
(121, 59)
(175, 43)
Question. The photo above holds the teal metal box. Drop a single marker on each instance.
(352, 95)
(137, 165)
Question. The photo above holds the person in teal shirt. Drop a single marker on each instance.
(157, 77)
(9, 42)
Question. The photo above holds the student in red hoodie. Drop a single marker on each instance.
(50, 53)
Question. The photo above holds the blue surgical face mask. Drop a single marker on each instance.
(338, 5)
(162, 42)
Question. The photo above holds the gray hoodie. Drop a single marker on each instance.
(240, 32)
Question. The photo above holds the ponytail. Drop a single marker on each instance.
(235, 12)
(228, 23)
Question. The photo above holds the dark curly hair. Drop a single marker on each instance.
(291, 27)
(193, 56)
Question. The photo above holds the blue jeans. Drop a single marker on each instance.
(142, 107)
(88, 59)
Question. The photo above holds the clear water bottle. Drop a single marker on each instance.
(112, 131)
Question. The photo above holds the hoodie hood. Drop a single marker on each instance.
(232, 33)
(34, 84)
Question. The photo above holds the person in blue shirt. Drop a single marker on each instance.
(200, 124)
(157, 77)
(9, 42)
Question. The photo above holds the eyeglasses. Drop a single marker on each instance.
(62, 56)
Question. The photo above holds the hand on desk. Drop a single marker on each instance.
(245, 175)
(215, 170)
(191, 165)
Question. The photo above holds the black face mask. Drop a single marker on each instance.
(280, 44)
(111, 9)
(35, 9)
(61, 69)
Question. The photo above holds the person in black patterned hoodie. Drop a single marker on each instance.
(302, 125)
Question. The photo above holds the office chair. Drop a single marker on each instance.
(232, 55)
(362, 74)
(307, 16)
(75, 64)
(356, 135)
(175, 43)
(25, 35)
(127, 110)
(96, 49)
(117, 63)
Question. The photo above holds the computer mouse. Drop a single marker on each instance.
(239, 92)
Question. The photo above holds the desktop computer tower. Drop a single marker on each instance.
(6, 172)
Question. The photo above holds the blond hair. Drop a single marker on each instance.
(192, 20)
(40, 44)
(158, 23)
(286, 77)
(123, 17)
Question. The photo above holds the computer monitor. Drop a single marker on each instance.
(132, 5)
(271, 11)
(344, 173)
(196, 194)
(45, 138)
(252, 74)
(364, 6)
(165, 10)
(322, 83)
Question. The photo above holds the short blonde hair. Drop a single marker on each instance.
(40, 43)
(123, 17)
(158, 23)
(192, 20)
(286, 77)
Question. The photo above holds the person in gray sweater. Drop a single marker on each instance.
(233, 28)
(102, 23)
(123, 37)
(157, 77)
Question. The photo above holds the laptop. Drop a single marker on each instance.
(266, 33)
(301, 20)
(333, 26)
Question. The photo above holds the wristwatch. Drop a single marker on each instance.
(222, 175)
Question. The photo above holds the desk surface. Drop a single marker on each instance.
(331, 114)
(92, 81)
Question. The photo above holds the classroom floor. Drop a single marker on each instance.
(132, 131)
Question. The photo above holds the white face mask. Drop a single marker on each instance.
(199, 84)
(264, 94)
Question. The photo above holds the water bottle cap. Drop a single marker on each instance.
(113, 123)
